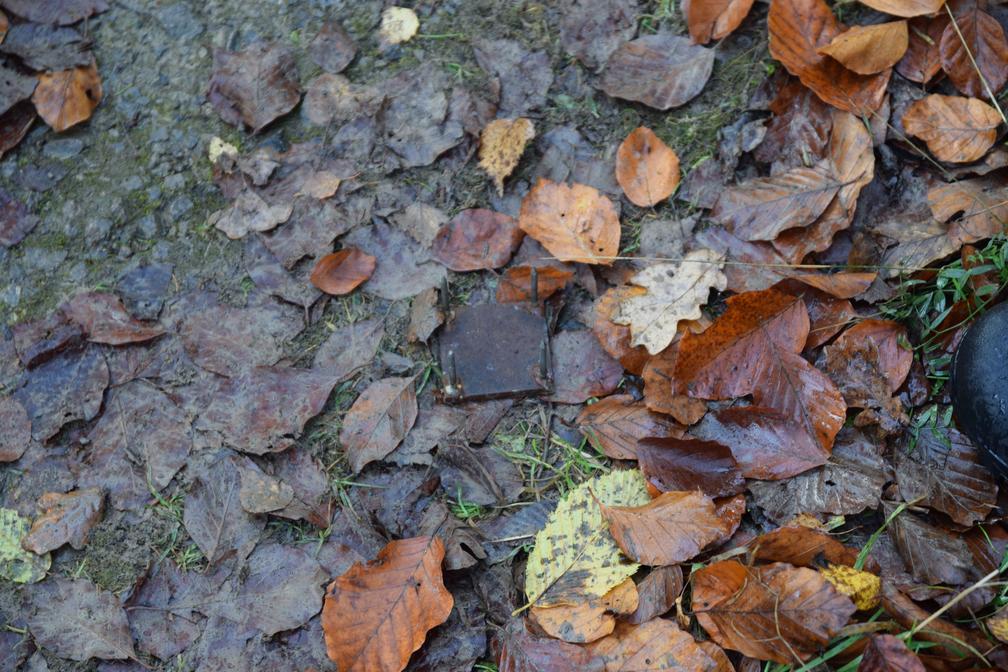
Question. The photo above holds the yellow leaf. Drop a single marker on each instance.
(501, 145)
(17, 564)
(998, 624)
(864, 588)
(575, 556)
(398, 25)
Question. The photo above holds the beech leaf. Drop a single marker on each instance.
(646, 168)
(575, 223)
(378, 421)
(956, 129)
(341, 272)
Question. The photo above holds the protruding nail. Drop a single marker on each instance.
(452, 373)
(444, 296)
(534, 285)
(548, 361)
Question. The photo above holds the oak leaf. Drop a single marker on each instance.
(575, 223)
(68, 97)
(615, 424)
(615, 338)
(675, 293)
(376, 615)
(652, 647)
(378, 421)
(590, 620)
(646, 168)
(341, 272)
(868, 50)
(905, 8)
(981, 54)
(502, 143)
(714, 19)
(956, 129)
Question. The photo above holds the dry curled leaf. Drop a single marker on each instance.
(868, 50)
(714, 19)
(905, 8)
(956, 129)
(646, 168)
(980, 55)
(376, 615)
(575, 223)
(342, 272)
(378, 421)
(502, 143)
(66, 98)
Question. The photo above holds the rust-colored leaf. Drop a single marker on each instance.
(378, 421)
(922, 59)
(376, 615)
(502, 143)
(983, 203)
(660, 389)
(587, 621)
(672, 528)
(654, 646)
(905, 8)
(646, 168)
(801, 546)
(776, 612)
(797, 29)
(477, 239)
(657, 593)
(575, 223)
(714, 19)
(868, 50)
(68, 97)
(982, 43)
(615, 424)
(799, 130)
(616, 338)
(686, 464)
(342, 272)
(66, 519)
(956, 129)
(887, 653)
(516, 284)
(104, 319)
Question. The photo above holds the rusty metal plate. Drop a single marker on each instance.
(494, 351)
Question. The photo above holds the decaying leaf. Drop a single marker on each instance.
(254, 86)
(398, 25)
(905, 8)
(575, 223)
(342, 272)
(864, 588)
(801, 546)
(887, 653)
(376, 615)
(868, 50)
(14, 440)
(922, 60)
(16, 563)
(688, 464)
(977, 58)
(714, 19)
(956, 129)
(75, 619)
(104, 319)
(477, 239)
(581, 368)
(662, 71)
(66, 519)
(590, 620)
(68, 97)
(518, 650)
(575, 557)
(646, 168)
(516, 284)
(675, 293)
(615, 338)
(502, 143)
(654, 646)
(615, 424)
(378, 421)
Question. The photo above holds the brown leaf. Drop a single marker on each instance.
(654, 646)
(662, 71)
(759, 209)
(591, 30)
(657, 594)
(74, 619)
(842, 285)
(14, 439)
(887, 653)
(254, 86)
(378, 421)
(922, 59)
(775, 612)
(14, 125)
(616, 338)
(714, 19)
(983, 38)
(753, 349)
(516, 284)
(376, 615)
(646, 168)
(332, 48)
(104, 319)
(342, 272)
(582, 369)
(66, 519)
(68, 97)
(575, 223)
(587, 621)
(799, 130)
(933, 554)
(686, 464)
(869, 364)
(956, 129)
(983, 203)
(868, 50)
(660, 389)
(615, 424)
(672, 528)
(517, 650)
(502, 143)
(801, 546)
(905, 8)
(477, 239)
(797, 29)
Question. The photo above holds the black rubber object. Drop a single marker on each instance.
(980, 387)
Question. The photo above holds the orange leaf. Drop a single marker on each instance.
(646, 168)
(515, 285)
(659, 389)
(797, 29)
(615, 424)
(477, 239)
(341, 272)
(983, 38)
(868, 50)
(575, 223)
(801, 546)
(714, 19)
(983, 203)
(651, 647)
(615, 338)
(587, 621)
(776, 612)
(672, 528)
(905, 8)
(68, 97)
(956, 129)
(922, 60)
(376, 615)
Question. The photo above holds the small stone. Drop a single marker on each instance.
(97, 230)
(179, 206)
(63, 148)
(148, 226)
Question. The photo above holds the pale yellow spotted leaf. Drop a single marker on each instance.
(398, 25)
(675, 292)
(17, 564)
(501, 145)
(864, 588)
(575, 556)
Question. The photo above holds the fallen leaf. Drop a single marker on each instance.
(478, 474)
(404, 268)
(868, 50)
(425, 316)
(615, 424)
(477, 239)
(342, 272)
(57, 12)
(254, 86)
(66, 98)
(398, 25)
(671, 464)
(932, 554)
(801, 546)
(104, 319)
(983, 203)
(714, 20)
(905, 8)
(761, 208)
(515, 285)
(47, 48)
(672, 528)
(657, 594)
(518, 650)
(651, 647)
(250, 212)
(16, 220)
(798, 132)
(261, 493)
(14, 440)
(887, 653)
(75, 619)
(775, 612)
(502, 143)
(376, 615)
(675, 292)
(525, 76)
(646, 168)
(982, 51)
(587, 621)
(615, 338)
(575, 223)
(574, 556)
(660, 393)
(66, 519)
(864, 588)
(592, 30)
(332, 48)
(581, 368)
(68, 387)
(797, 29)
(15, 86)
(662, 71)
(956, 129)
(378, 421)
(16, 563)
(922, 60)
